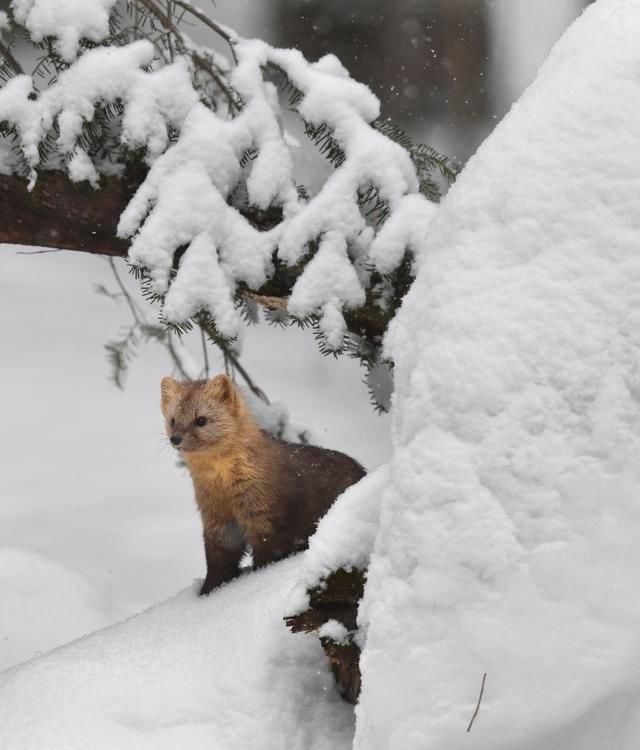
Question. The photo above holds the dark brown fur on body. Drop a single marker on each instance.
(251, 488)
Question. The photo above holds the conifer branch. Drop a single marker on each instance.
(61, 214)
(225, 34)
(68, 215)
(199, 60)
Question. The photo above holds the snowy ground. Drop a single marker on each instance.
(96, 520)
(219, 673)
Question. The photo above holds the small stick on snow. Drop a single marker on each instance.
(38, 252)
(475, 713)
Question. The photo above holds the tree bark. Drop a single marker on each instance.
(58, 213)
(337, 599)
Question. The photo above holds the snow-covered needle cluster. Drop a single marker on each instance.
(206, 164)
(67, 21)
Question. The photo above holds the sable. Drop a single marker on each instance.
(251, 488)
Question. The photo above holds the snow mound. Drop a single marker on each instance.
(44, 604)
(219, 672)
(510, 530)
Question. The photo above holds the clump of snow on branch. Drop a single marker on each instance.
(153, 102)
(332, 280)
(333, 217)
(335, 631)
(156, 102)
(405, 230)
(187, 199)
(202, 283)
(68, 21)
(81, 168)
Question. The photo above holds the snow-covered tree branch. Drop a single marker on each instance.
(218, 207)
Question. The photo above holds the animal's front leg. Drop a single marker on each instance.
(276, 546)
(268, 540)
(224, 547)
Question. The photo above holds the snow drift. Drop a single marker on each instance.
(44, 604)
(510, 529)
(220, 673)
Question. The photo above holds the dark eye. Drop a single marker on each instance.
(201, 421)
(173, 421)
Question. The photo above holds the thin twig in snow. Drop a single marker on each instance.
(38, 252)
(169, 42)
(220, 30)
(475, 713)
(235, 364)
(205, 354)
(186, 46)
(175, 357)
(135, 311)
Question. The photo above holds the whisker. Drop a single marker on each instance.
(164, 442)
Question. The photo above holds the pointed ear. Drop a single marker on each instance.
(221, 388)
(169, 389)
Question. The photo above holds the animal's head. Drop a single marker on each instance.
(201, 414)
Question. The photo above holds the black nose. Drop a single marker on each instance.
(176, 439)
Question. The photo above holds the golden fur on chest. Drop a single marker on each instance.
(230, 487)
